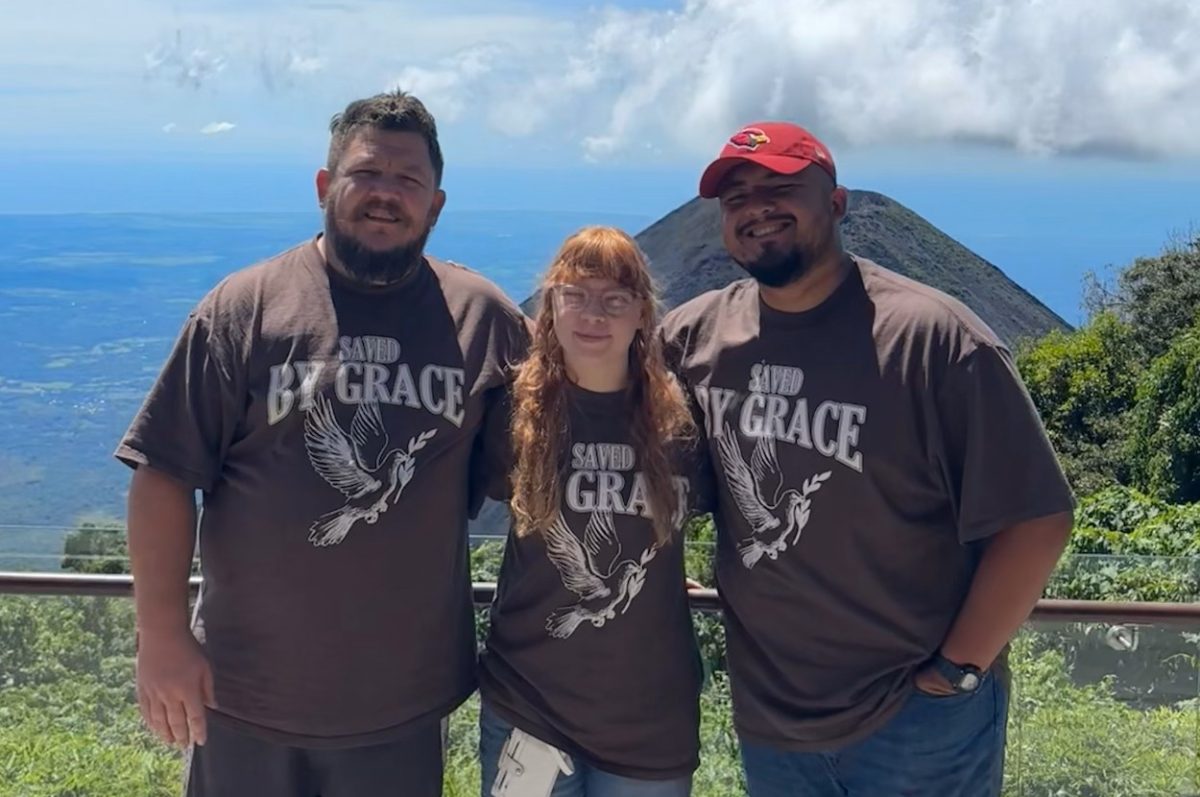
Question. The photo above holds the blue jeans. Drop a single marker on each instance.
(935, 746)
(586, 781)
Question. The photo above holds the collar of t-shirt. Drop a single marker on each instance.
(843, 295)
(593, 402)
(414, 279)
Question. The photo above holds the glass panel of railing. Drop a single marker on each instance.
(720, 771)
(50, 549)
(69, 723)
(92, 545)
(1097, 708)
(1103, 708)
(29, 547)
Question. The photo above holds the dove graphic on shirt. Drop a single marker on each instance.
(593, 569)
(359, 464)
(772, 513)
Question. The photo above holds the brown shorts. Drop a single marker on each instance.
(236, 764)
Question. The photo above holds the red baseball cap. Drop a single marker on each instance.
(782, 147)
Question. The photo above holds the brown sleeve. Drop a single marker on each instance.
(491, 458)
(672, 347)
(491, 461)
(701, 477)
(1000, 465)
(187, 421)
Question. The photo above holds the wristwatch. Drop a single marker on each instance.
(964, 678)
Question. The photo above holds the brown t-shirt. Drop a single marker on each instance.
(591, 647)
(332, 429)
(862, 451)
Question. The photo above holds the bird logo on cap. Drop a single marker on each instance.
(750, 138)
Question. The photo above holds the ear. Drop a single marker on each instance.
(840, 200)
(439, 202)
(324, 177)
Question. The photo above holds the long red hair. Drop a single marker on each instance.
(540, 420)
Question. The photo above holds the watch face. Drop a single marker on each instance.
(969, 682)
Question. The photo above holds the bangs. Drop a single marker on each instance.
(618, 269)
(602, 253)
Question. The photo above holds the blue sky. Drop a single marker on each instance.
(1051, 137)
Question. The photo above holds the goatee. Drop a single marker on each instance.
(776, 269)
(372, 266)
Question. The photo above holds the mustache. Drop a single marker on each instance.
(745, 225)
(383, 207)
(379, 207)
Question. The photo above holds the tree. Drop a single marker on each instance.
(1084, 384)
(1157, 296)
(700, 540)
(1165, 445)
(97, 545)
(1115, 395)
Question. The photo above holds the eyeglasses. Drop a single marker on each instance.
(616, 302)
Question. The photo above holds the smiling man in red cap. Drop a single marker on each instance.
(890, 506)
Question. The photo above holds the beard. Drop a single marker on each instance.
(777, 267)
(373, 266)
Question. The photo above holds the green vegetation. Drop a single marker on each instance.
(1121, 400)
(97, 545)
(1121, 395)
(1071, 740)
(69, 726)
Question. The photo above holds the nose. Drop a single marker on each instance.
(593, 310)
(760, 204)
(757, 207)
(384, 187)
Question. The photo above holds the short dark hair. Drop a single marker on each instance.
(392, 110)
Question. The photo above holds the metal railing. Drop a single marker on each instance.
(707, 600)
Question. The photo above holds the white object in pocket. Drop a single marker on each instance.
(529, 767)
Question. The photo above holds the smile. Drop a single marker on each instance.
(765, 230)
(592, 337)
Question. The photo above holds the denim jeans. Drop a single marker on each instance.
(933, 747)
(586, 781)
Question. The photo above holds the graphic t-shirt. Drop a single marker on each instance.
(332, 429)
(591, 646)
(863, 450)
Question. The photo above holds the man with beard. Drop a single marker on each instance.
(890, 507)
(330, 404)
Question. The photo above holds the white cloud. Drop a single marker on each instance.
(305, 64)
(1068, 76)
(1039, 76)
(184, 61)
(281, 69)
(196, 57)
(450, 86)
(354, 44)
(213, 128)
(170, 127)
(288, 64)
